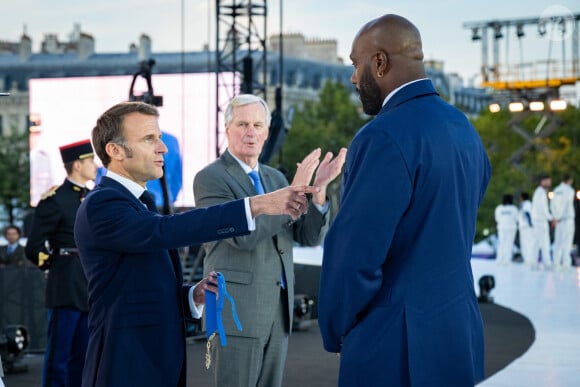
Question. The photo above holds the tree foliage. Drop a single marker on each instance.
(329, 124)
(516, 165)
(15, 172)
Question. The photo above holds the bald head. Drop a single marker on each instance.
(387, 53)
(394, 35)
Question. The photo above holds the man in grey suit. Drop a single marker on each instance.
(258, 267)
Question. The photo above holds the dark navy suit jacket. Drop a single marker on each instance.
(397, 296)
(137, 300)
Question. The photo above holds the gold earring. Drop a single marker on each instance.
(380, 74)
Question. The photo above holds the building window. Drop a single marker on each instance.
(13, 123)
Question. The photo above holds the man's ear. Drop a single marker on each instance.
(114, 151)
(76, 165)
(382, 63)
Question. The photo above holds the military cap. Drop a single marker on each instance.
(76, 151)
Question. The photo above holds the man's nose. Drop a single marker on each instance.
(353, 79)
(161, 147)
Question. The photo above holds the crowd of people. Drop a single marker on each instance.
(546, 226)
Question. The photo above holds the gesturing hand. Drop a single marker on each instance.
(328, 170)
(305, 169)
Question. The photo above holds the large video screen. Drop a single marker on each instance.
(66, 109)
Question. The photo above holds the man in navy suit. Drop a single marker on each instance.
(138, 303)
(397, 299)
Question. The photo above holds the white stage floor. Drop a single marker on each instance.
(551, 301)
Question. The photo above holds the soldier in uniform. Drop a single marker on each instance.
(51, 246)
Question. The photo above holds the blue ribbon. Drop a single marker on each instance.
(214, 308)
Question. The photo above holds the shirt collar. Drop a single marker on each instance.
(135, 189)
(244, 166)
(399, 88)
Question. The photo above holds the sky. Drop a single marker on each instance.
(176, 25)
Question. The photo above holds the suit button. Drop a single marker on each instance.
(281, 252)
(278, 283)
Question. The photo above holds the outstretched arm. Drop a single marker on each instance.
(286, 201)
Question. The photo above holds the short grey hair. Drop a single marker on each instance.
(245, 99)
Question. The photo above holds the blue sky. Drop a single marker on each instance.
(117, 23)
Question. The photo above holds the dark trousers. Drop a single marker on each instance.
(68, 334)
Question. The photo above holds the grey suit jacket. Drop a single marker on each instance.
(252, 264)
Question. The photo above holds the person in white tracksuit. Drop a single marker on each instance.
(562, 207)
(506, 217)
(542, 219)
(526, 230)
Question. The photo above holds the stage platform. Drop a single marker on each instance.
(532, 336)
(551, 301)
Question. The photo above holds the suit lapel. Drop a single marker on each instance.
(173, 254)
(237, 174)
(267, 180)
(111, 183)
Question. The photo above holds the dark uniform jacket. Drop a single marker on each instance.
(51, 245)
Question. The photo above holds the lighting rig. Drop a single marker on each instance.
(530, 86)
(14, 340)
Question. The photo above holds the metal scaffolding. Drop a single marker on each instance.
(240, 54)
(545, 74)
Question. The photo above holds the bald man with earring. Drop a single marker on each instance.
(397, 300)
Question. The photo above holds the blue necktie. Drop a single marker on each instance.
(260, 190)
(257, 183)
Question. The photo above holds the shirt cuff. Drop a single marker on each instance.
(196, 311)
(323, 209)
(251, 221)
